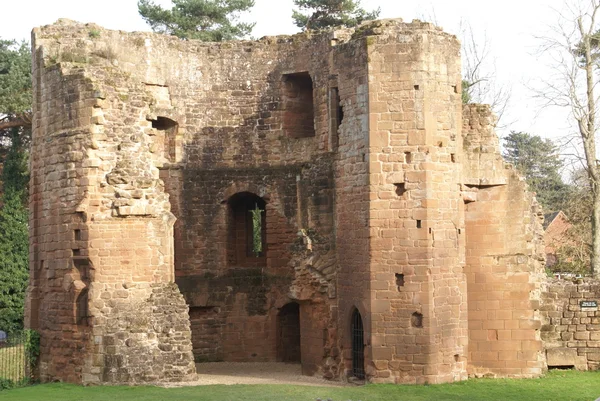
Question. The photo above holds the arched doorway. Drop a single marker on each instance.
(357, 335)
(288, 333)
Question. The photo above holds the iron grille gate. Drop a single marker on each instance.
(358, 346)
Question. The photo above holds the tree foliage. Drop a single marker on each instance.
(319, 14)
(206, 20)
(538, 160)
(15, 86)
(574, 254)
(14, 243)
(15, 134)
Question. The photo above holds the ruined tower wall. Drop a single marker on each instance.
(352, 201)
(105, 305)
(418, 297)
(504, 257)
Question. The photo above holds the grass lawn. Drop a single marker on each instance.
(557, 385)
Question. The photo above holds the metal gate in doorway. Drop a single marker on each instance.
(358, 346)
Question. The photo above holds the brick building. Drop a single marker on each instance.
(318, 198)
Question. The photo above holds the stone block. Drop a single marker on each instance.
(561, 356)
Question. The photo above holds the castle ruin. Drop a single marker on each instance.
(322, 198)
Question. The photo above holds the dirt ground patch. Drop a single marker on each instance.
(256, 373)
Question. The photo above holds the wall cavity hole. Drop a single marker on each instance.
(400, 188)
(399, 280)
(456, 357)
(452, 157)
(163, 123)
(430, 231)
(364, 157)
(416, 87)
(76, 252)
(419, 225)
(455, 88)
(407, 157)
(416, 320)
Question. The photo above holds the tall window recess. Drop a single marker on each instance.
(247, 229)
(336, 115)
(299, 114)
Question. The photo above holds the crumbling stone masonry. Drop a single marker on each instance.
(317, 198)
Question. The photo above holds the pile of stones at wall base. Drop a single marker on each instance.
(322, 199)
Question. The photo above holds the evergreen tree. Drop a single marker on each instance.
(14, 242)
(537, 159)
(207, 20)
(326, 13)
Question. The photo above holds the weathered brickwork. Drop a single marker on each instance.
(571, 324)
(301, 191)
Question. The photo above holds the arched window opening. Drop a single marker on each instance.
(288, 333)
(247, 229)
(358, 346)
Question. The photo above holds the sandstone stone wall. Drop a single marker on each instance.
(101, 229)
(150, 153)
(504, 257)
(419, 325)
(570, 328)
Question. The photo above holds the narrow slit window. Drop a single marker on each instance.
(336, 112)
(256, 232)
(419, 224)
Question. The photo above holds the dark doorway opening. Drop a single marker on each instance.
(358, 346)
(288, 333)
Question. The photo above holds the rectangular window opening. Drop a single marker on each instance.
(418, 223)
(77, 235)
(299, 115)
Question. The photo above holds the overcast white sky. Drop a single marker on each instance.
(510, 26)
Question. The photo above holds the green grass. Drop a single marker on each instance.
(557, 385)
